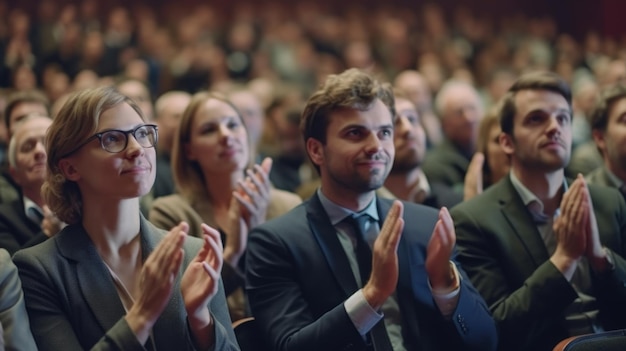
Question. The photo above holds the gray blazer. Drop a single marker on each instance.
(73, 304)
(600, 176)
(13, 317)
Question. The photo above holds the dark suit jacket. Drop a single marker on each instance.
(600, 176)
(298, 278)
(446, 165)
(72, 302)
(13, 318)
(16, 229)
(502, 251)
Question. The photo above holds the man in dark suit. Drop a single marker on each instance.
(304, 269)
(460, 109)
(546, 255)
(21, 220)
(609, 134)
(407, 180)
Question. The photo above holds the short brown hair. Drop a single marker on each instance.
(539, 80)
(77, 120)
(19, 97)
(353, 89)
(599, 119)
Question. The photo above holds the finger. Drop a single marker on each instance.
(165, 244)
(214, 234)
(249, 189)
(245, 202)
(394, 214)
(267, 165)
(214, 257)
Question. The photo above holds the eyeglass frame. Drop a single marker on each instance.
(124, 132)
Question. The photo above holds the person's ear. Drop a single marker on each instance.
(68, 170)
(506, 143)
(315, 149)
(598, 138)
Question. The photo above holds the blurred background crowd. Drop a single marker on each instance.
(282, 50)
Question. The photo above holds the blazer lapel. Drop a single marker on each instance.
(93, 278)
(521, 222)
(326, 236)
(169, 323)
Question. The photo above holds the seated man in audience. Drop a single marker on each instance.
(313, 280)
(407, 181)
(14, 328)
(169, 107)
(19, 105)
(460, 109)
(545, 253)
(608, 125)
(26, 221)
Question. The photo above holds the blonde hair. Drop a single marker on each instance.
(188, 175)
(77, 120)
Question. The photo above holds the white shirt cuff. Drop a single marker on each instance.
(363, 316)
(447, 300)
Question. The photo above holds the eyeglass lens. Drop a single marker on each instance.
(117, 140)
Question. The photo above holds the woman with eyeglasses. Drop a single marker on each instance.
(216, 185)
(111, 280)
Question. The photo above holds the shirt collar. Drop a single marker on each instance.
(530, 200)
(338, 213)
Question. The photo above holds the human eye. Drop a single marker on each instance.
(112, 137)
(28, 146)
(386, 133)
(563, 118)
(232, 124)
(142, 132)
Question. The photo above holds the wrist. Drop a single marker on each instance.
(373, 297)
(601, 261)
(445, 281)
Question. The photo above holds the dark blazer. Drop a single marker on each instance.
(13, 318)
(600, 176)
(298, 278)
(72, 302)
(16, 229)
(446, 165)
(502, 251)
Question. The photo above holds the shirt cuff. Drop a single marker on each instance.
(363, 316)
(447, 300)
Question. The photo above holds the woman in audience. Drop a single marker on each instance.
(110, 279)
(210, 162)
(490, 163)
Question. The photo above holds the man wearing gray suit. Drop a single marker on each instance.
(14, 328)
(608, 125)
(546, 254)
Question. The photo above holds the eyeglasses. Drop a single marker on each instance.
(115, 140)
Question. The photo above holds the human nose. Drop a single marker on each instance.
(40, 149)
(374, 144)
(554, 127)
(133, 148)
(225, 133)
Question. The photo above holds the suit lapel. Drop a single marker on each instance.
(326, 236)
(169, 322)
(94, 280)
(521, 222)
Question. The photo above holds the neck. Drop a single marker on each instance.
(111, 225)
(547, 186)
(616, 169)
(401, 184)
(34, 194)
(220, 187)
(347, 198)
